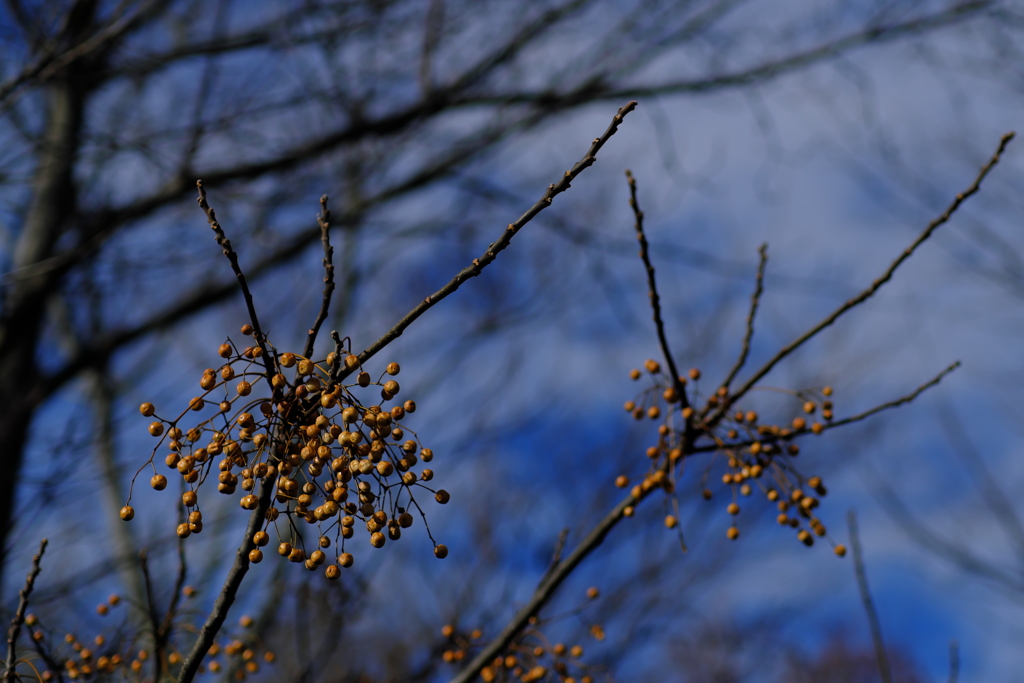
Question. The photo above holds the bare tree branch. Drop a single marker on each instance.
(868, 292)
(19, 616)
(652, 294)
(865, 595)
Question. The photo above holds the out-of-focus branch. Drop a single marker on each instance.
(869, 605)
(19, 616)
(94, 353)
(159, 643)
(755, 300)
(46, 65)
(597, 89)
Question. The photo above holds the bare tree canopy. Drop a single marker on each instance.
(431, 126)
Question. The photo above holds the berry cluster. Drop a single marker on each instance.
(756, 453)
(101, 657)
(531, 657)
(333, 461)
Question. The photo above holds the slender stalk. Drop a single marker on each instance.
(19, 616)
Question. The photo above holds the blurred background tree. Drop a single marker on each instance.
(832, 130)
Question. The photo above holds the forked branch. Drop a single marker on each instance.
(240, 567)
(869, 291)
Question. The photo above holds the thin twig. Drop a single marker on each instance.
(478, 264)
(229, 252)
(755, 300)
(865, 596)
(324, 221)
(870, 290)
(556, 556)
(19, 615)
(652, 293)
(895, 403)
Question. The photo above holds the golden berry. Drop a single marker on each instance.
(440, 551)
(147, 409)
(127, 513)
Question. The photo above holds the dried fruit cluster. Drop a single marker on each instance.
(100, 656)
(333, 461)
(756, 454)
